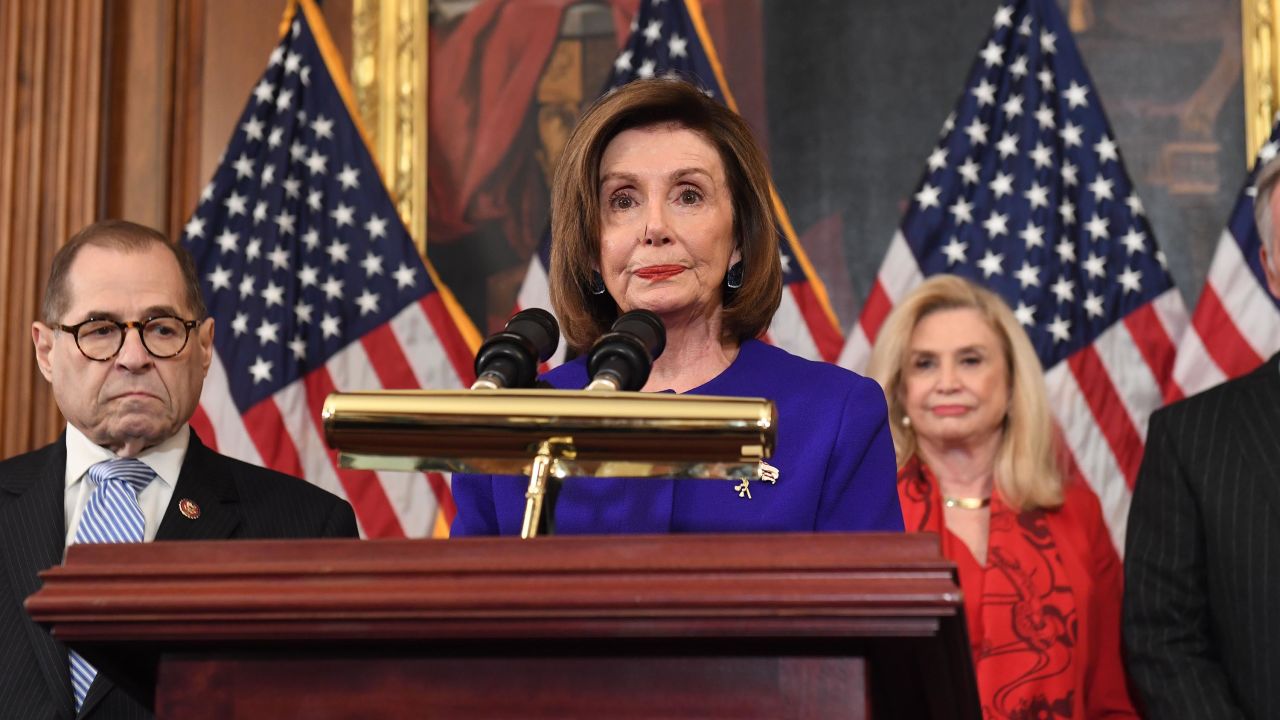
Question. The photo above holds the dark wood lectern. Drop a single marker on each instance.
(705, 626)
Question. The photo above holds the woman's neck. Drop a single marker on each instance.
(696, 352)
(963, 469)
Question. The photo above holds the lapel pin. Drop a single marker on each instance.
(189, 509)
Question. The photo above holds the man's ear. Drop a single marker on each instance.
(42, 339)
(1269, 270)
(204, 336)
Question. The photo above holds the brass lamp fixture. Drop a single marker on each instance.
(549, 435)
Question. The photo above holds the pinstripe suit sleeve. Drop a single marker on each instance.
(341, 522)
(1171, 655)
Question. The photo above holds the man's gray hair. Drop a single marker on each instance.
(1266, 182)
(123, 236)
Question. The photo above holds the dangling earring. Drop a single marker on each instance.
(733, 279)
(597, 283)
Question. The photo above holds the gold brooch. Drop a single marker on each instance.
(768, 473)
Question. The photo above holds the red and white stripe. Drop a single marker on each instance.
(899, 273)
(535, 292)
(1101, 396)
(420, 347)
(1235, 326)
(801, 326)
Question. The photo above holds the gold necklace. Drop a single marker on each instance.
(966, 503)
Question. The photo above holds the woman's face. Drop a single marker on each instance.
(666, 222)
(956, 380)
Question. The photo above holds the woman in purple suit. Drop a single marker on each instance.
(662, 202)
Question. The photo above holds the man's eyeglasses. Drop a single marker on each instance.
(163, 337)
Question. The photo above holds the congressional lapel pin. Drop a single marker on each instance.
(189, 509)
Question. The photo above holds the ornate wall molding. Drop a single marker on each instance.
(389, 72)
(1261, 71)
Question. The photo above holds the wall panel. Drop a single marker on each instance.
(50, 93)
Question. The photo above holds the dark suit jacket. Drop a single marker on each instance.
(236, 499)
(1202, 555)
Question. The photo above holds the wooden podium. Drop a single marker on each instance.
(676, 626)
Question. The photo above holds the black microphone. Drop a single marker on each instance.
(622, 358)
(509, 359)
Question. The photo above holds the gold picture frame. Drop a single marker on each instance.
(1261, 71)
(389, 71)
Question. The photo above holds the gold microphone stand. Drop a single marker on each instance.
(548, 435)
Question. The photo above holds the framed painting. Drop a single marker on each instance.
(847, 98)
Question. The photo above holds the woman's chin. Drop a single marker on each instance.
(658, 303)
(668, 302)
(953, 436)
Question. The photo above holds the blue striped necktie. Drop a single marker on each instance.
(112, 515)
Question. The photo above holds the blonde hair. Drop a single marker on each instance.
(1027, 473)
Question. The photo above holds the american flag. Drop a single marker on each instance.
(1026, 193)
(1236, 325)
(670, 37)
(315, 286)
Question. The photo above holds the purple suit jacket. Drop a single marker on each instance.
(834, 454)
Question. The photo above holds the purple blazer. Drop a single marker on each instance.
(834, 455)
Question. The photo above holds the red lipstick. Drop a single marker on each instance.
(659, 272)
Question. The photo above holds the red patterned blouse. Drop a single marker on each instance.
(1044, 612)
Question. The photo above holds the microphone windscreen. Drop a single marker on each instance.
(540, 328)
(645, 326)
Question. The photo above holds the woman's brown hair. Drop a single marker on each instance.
(575, 206)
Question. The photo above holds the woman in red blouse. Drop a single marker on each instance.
(1041, 578)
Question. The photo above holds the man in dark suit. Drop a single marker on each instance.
(1202, 556)
(125, 394)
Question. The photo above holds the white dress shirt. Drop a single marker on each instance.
(165, 459)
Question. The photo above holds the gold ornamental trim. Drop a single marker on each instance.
(1261, 71)
(389, 71)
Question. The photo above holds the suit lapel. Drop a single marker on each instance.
(213, 493)
(32, 538)
(1258, 427)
